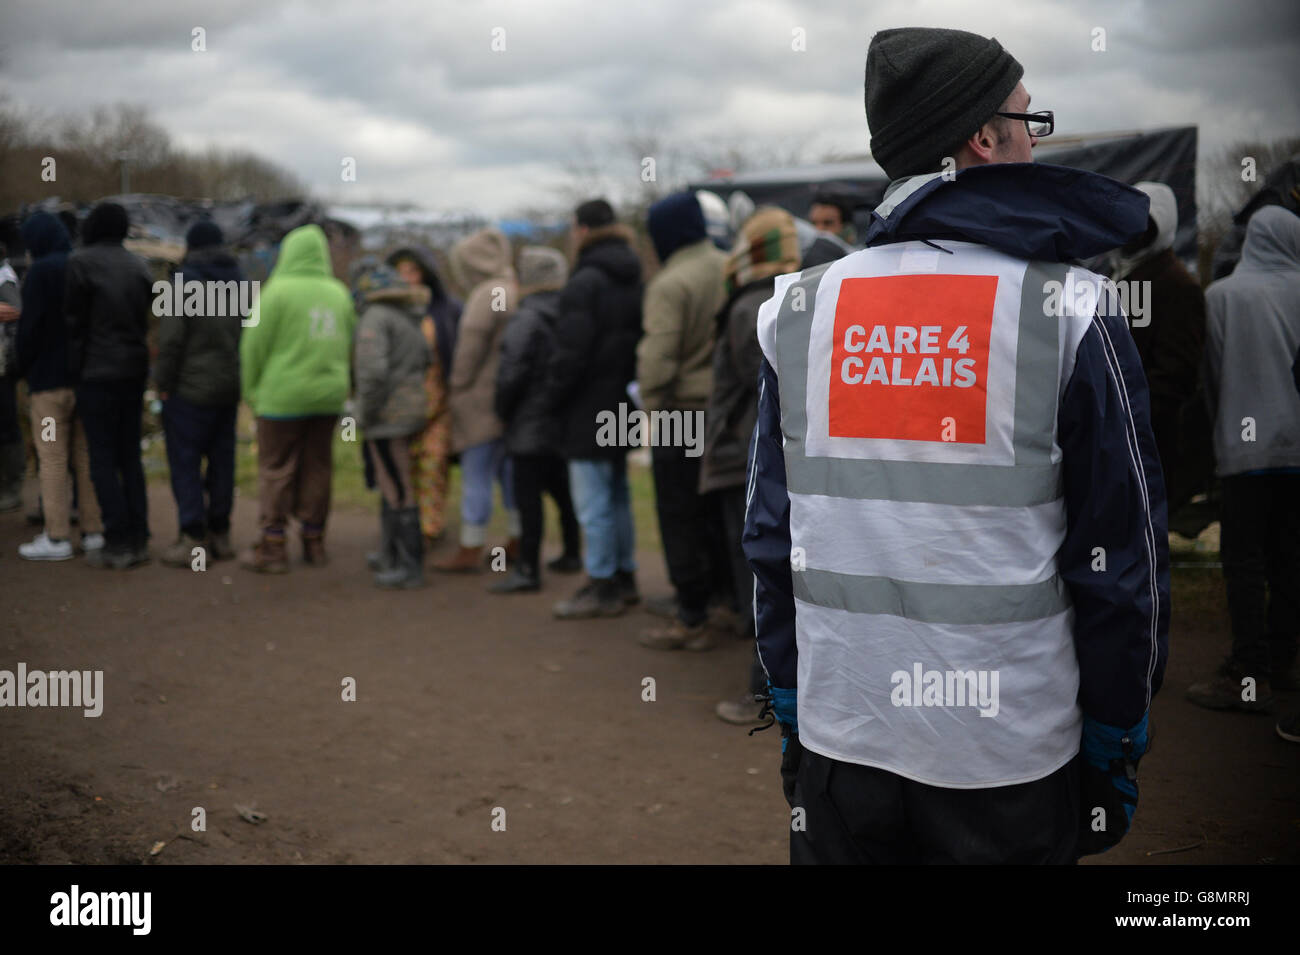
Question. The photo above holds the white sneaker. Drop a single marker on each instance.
(91, 542)
(42, 548)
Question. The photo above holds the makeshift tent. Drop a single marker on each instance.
(1163, 155)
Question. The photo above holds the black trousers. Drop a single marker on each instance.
(860, 815)
(533, 474)
(1261, 567)
(204, 499)
(110, 412)
(689, 526)
(731, 503)
(10, 432)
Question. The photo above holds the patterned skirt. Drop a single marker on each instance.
(431, 448)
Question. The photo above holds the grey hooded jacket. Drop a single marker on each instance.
(1252, 332)
(389, 362)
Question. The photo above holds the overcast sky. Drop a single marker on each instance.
(432, 114)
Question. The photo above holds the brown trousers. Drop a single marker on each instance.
(295, 463)
(59, 436)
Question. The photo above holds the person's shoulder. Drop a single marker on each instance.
(341, 294)
(583, 280)
(671, 276)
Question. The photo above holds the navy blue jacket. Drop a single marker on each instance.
(42, 339)
(1044, 213)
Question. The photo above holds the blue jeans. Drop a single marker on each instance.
(479, 465)
(604, 505)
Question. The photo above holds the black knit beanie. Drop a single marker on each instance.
(107, 222)
(927, 89)
(203, 235)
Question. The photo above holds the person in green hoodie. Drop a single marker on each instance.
(294, 369)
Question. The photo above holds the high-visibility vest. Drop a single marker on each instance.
(919, 391)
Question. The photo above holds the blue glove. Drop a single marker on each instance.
(785, 707)
(1109, 777)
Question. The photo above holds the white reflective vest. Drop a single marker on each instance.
(919, 393)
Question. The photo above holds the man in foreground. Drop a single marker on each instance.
(955, 514)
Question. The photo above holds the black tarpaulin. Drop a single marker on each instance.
(1163, 155)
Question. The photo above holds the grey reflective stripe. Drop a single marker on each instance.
(922, 482)
(932, 603)
(900, 189)
(793, 330)
(1038, 352)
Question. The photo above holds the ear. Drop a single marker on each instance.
(982, 143)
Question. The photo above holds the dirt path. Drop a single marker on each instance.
(224, 688)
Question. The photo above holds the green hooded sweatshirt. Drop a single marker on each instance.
(295, 352)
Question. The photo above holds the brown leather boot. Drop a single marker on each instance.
(313, 550)
(267, 556)
(466, 560)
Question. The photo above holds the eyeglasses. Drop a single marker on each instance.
(1038, 124)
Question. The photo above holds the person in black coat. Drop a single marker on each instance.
(108, 299)
(588, 373)
(197, 373)
(532, 430)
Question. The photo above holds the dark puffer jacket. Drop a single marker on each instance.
(108, 301)
(41, 344)
(733, 406)
(198, 355)
(526, 349)
(595, 341)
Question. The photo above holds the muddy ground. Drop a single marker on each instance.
(223, 689)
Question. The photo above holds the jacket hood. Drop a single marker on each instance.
(541, 268)
(479, 257)
(1164, 213)
(1033, 211)
(427, 265)
(675, 222)
(212, 263)
(609, 248)
(1272, 242)
(107, 222)
(43, 233)
(306, 252)
(768, 245)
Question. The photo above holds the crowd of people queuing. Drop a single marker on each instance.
(510, 383)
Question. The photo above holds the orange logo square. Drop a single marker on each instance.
(910, 357)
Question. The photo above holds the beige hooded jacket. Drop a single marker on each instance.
(481, 264)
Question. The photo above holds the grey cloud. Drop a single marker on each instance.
(292, 78)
